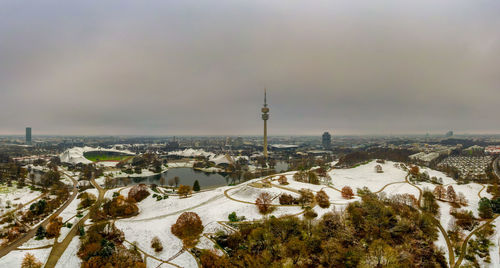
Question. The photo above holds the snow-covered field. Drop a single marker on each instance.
(15, 257)
(155, 218)
(365, 175)
(15, 196)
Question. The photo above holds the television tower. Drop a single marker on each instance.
(265, 117)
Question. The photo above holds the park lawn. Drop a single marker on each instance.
(105, 157)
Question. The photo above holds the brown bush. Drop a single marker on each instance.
(54, 227)
(450, 192)
(119, 207)
(29, 261)
(323, 199)
(306, 196)
(188, 228)
(286, 199)
(263, 203)
(283, 180)
(138, 192)
(347, 192)
(156, 244)
(86, 199)
(184, 190)
(415, 170)
(439, 192)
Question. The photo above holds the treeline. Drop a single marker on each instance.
(372, 233)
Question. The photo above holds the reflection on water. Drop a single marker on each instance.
(281, 166)
(187, 176)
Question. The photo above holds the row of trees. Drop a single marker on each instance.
(450, 195)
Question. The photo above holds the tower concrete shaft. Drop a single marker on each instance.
(265, 117)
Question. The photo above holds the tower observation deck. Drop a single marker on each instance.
(265, 117)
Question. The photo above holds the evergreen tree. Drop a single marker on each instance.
(40, 233)
(196, 186)
(485, 209)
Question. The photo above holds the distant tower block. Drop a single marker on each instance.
(28, 136)
(326, 140)
(265, 117)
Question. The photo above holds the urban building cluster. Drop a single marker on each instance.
(468, 166)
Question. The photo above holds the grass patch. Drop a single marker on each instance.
(96, 156)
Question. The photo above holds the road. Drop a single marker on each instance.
(31, 233)
(496, 168)
(59, 247)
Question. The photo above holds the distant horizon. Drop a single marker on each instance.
(255, 135)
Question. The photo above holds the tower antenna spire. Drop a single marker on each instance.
(265, 97)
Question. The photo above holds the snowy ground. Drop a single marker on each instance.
(365, 175)
(15, 257)
(15, 196)
(157, 217)
(69, 257)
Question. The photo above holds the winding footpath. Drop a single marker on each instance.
(451, 253)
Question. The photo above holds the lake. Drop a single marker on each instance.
(187, 176)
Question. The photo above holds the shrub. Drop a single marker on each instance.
(188, 228)
(156, 244)
(306, 196)
(347, 192)
(184, 190)
(287, 199)
(450, 192)
(29, 261)
(196, 186)
(138, 192)
(323, 199)
(234, 218)
(54, 227)
(439, 192)
(485, 208)
(40, 233)
(313, 177)
(283, 180)
(300, 176)
(464, 219)
(263, 203)
(415, 170)
(86, 199)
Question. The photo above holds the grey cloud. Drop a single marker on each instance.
(199, 67)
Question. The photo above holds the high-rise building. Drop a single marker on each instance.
(449, 134)
(28, 136)
(326, 140)
(265, 117)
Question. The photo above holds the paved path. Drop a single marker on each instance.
(463, 249)
(31, 233)
(153, 257)
(451, 253)
(59, 247)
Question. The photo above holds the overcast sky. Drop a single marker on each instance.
(200, 67)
